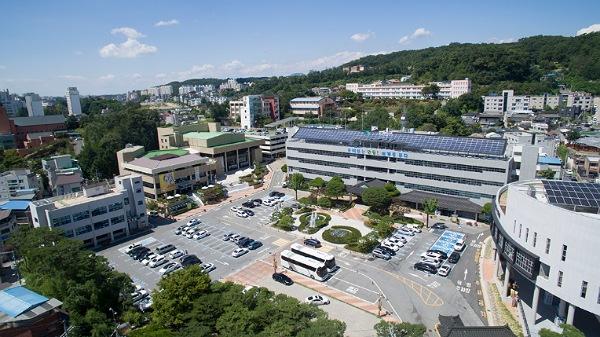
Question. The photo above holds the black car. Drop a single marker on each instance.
(254, 244)
(141, 254)
(257, 202)
(312, 242)
(443, 254)
(249, 204)
(276, 194)
(454, 257)
(386, 250)
(425, 267)
(243, 241)
(189, 260)
(135, 250)
(439, 225)
(283, 279)
(249, 212)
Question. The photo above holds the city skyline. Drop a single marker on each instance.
(108, 47)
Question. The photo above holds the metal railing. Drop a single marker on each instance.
(525, 325)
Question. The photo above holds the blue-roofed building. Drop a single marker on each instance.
(312, 106)
(26, 313)
(436, 166)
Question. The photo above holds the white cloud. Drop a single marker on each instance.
(162, 23)
(131, 48)
(129, 32)
(196, 70)
(361, 37)
(418, 33)
(233, 65)
(106, 77)
(136, 76)
(591, 29)
(72, 77)
(160, 75)
(507, 40)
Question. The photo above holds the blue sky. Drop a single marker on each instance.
(109, 46)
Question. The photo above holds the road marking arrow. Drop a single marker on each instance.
(466, 271)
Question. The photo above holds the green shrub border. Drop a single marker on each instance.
(320, 223)
(352, 237)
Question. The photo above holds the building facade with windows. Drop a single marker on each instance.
(546, 233)
(314, 106)
(64, 174)
(17, 183)
(461, 167)
(73, 102)
(252, 107)
(33, 102)
(167, 172)
(387, 89)
(98, 215)
(274, 142)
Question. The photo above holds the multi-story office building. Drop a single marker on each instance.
(64, 174)
(546, 233)
(19, 183)
(274, 142)
(167, 172)
(33, 102)
(73, 102)
(460, 167)
(11, 103)
(98, 215)
(381, 89)
(250, 108)
(231, 151)
(508, 101)
(314, 106)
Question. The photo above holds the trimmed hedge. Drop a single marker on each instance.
(322, 221)
(352, 235)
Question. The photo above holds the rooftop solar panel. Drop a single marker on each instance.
(408, 141)
(569, 193)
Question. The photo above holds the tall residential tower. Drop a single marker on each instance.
(73, 103)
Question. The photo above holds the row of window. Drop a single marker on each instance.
(415, 162)
(563, 256)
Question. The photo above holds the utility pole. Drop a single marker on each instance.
(379, 304)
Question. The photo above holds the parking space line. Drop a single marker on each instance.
(352, 284)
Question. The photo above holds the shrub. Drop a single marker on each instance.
(285, 222)
(352, 235)
(304, 209)
(307, 200)
(324, 202)
(365, 244)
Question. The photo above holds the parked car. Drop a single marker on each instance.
(317, 300)
(439, 225)
(157, 261)
(276, 194)
(167, 267)
(283, 279)
(413, 227)
(257, 202)
(135, 250)
(390, 245)
(132, 247)
(235, 237)
(243, 242)
(391, 241)
(227, 236)
(249, 204)
(459, 246)
(192, 221)
(241, 214)
(378, 253)
(432, 255)
(254, 245)
(249, 212)
(208, 267)
(139, 294)
(405, 232)
(312, 242)
(239, 252)
(433, 262)
(454, 257)
(148, 258)
(141, 255)
(165, 249)
(176, 253)
(188, 260)
(444, 270)
(201, 234)
(178, 231)
(234, 209)
(386, 250)
(400, 237)
(145, 303)
(441, 253)
(425, 267)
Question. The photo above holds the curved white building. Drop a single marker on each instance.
(547, 235)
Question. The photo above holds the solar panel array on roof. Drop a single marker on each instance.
(408, 141)
(570, 193)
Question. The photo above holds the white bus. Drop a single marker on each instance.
(303, 265)
(327, 259)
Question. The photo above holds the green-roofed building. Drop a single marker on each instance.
(231, 151)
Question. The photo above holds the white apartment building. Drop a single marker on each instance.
(33, 102)
(582, 100)
(314, 106)
(231, 84)
(539, 102)
(508, 101)
(98, 215)
(73, 102)
(64, 174)
(18, 182)
(251, 107)
(389, 89)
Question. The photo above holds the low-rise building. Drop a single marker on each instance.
(167, 172)
(311, 106)
(98, 215)
(25, 313)
(19, 183)
(15, 131)
(230, 151)
(395, 89)
(64, 174)
(274, 142)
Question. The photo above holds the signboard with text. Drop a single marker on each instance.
(378, 152)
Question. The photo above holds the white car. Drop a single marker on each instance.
(414, 228)
(317, 300)
(390, 245)
(139, 294)
(444, 270)
(432, 255)
(157, 261)
(434, 262)
(235, 209)
(201, 234)
(394, 241)
(241, 214)
(190, 233)
(148, 259)
(145, 304)
(175, 254)
(208, 267)
(239, 252)
(400, 237)
(192, 222)
(168, 268)
(459, 246)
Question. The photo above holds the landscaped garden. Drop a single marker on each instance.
(322, 220)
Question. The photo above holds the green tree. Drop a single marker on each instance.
(546, 174)
(335, 188)
(284, 168)
(10, 159)
(568, 331)
(390, 329)
(391, 188)
(318, 184)
(431, 90)
(377, 198)
(323, 328)
(430, 205)
(573, 135)
(175, 295)
(563, 153)
(487, 210)
(296, 182)
(366, 243)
